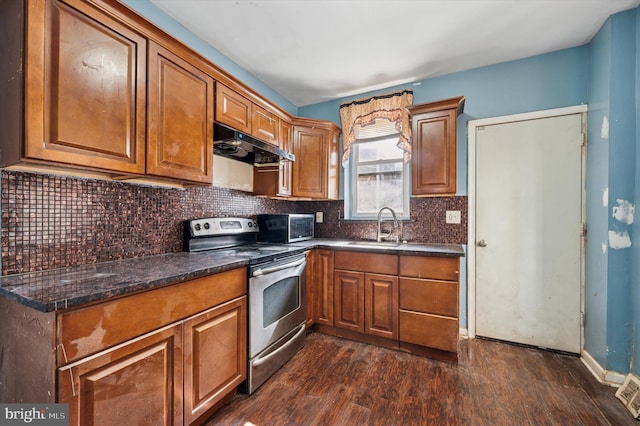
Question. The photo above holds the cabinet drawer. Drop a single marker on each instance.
(429, 296)
(94, 328)
(429, 330)
(437, 268)
(367, 262)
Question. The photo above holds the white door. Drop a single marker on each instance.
(528, 212)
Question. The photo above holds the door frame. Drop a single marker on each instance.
(471, 185)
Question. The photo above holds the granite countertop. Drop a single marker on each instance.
(447, 250)
(64, 288)
(74, 286)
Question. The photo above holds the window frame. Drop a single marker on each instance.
(351, 181)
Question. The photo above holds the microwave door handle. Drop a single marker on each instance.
(264, 271)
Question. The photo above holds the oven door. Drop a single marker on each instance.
(277, 301)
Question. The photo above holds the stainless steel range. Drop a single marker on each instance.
(277, 290)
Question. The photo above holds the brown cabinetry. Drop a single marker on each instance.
(275, 179)
(142, 378)
(233, 109)
(349, 300)
(265, 125)
(433, 158)
(407, 302)
(429, 305)
(316, 169)
(240, 113)
(85, 83)
(165, 356)
(366, 293)
(100, 96)
(320, 281)
(214, 357)
(180, 118)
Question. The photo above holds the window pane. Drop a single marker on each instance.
(380, 150)
(378, 186)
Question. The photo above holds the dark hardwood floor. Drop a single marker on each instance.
(332, 381)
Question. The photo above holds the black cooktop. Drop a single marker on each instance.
(260, 253)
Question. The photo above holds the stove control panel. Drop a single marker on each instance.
(222, 226)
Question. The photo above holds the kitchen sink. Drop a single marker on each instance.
(374, 243)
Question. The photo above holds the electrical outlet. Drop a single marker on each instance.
(453, 216)
(319, 217)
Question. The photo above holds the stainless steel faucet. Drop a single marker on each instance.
(382, 235)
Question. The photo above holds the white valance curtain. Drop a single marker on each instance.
(392, 107)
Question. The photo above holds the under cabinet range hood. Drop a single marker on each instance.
(236, 145)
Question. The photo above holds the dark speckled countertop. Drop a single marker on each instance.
(447, 250)
(75, 286)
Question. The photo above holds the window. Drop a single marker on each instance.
(376, 175)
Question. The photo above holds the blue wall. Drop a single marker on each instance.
(622, 166)
(553, 80)
(609, 328)
(596, 260)
(179, 32)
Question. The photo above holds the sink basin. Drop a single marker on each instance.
(374, 243)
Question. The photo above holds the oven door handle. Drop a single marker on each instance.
(264, 271)
(261, 359)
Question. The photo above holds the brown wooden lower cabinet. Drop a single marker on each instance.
(410, 302)
(139, 382)
(320, 281)
(348, 299)
(172, 355)
(214, 357)
(429, 305)
(381, 305)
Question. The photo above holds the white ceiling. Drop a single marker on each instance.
(313, 51)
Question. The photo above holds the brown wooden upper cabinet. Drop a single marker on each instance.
(433, 162)
(316, 169)
(86, 105)
(276, 179)
(245, 116)
(180, 118)
(85, 88)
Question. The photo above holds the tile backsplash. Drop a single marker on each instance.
(51, 221)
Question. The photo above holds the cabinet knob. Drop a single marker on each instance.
(482, 243)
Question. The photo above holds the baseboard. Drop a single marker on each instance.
(464, 333)
(606, 377)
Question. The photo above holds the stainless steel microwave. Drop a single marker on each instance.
(285, 228)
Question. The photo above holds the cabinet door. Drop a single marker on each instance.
(215, 356)
(180, 118)
(232, 109)
(285, 167)
(265, 125)
(136, 383)
(310, 169)
(85, 88)
(322, 285)
(349, 300)
(381, 305)
(433, 161)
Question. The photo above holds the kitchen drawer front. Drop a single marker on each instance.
(437, 268)
(374, 263)
(429, 296)
(89, 330)
(432, 331)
